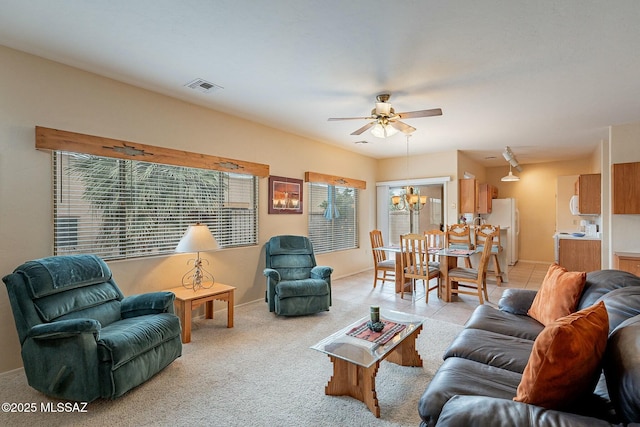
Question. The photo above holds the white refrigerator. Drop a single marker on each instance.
(504, 212)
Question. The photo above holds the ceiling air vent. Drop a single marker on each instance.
(203, 86)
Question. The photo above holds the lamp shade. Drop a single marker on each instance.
(383, 130)
(197, 238)
(511, 177)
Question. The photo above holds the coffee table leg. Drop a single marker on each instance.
(405, 353)
(356, 381)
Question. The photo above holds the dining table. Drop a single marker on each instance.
(397, 251)
(448, 259)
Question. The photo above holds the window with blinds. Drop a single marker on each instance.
(333, 213)
(121, 209)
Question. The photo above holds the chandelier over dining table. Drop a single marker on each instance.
(410, 199)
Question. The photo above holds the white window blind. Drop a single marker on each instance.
(118, 208)
(333, 213)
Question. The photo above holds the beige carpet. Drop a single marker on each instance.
(259, 373)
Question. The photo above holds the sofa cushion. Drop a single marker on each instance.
(559, 294)
(622, 369)
(491, 348)
(600, 282)
(482, 411)
(457, 376)
(126, 339)
(564, 362)
(622, 304)
(488, 318)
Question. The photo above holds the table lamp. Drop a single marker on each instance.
(197, 238)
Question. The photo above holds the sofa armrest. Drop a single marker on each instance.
(64, 329)
(321, 272)
(517, 301)
(470, 411)
(149, 303)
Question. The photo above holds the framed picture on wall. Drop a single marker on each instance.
(285, 195)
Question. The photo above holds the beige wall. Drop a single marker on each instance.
(34, 92)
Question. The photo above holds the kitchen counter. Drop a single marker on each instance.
(569, 236)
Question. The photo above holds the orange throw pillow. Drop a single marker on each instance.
(565, 360)
(559, 294)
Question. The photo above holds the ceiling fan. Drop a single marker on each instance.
(386, 121)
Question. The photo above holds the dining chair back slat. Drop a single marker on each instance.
(415, 263)
(459, 237)
(380, 262)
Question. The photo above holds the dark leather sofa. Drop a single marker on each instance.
(483, 366)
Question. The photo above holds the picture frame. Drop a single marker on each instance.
(285, 195)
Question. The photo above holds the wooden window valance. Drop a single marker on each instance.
(54, 139)
(335, 180)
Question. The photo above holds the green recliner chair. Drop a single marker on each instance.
(295, 284)
(81, 338)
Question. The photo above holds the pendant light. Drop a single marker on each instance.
(511, 177)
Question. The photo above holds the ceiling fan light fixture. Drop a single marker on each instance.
(383, 109)
(383, 130)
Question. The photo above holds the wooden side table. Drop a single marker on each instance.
(187, 300)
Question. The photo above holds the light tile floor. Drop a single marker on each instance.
(525, 275)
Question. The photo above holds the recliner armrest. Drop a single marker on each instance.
(149, 303)
(272, 274)
(517, 301)
(64, 329)
(321, 272)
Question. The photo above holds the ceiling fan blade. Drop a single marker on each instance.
(363, 128)
(421, 113)
(402, 126)
(333, 119)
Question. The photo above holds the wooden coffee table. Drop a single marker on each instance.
(356, 361)
(187, 300)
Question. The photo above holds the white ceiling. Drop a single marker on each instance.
(545, 77)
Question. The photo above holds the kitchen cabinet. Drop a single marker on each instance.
(468, 195)
(486, 193)
(476, 198)
(625, 178)
(588, 188)
(627, 261)
(579, 254)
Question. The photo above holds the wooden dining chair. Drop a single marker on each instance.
(480, 237)
(435, 241)
(472, 278)
(380, 262)
(415, 264)
(459, 237)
